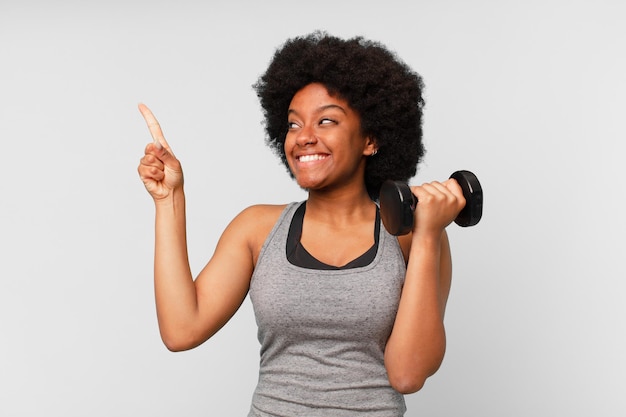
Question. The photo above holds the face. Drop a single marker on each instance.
(324, 145)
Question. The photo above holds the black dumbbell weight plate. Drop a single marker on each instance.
(397, 204)
(473, 193)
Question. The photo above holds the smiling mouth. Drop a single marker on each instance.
(310, 158)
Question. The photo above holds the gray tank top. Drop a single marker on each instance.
(323, 332)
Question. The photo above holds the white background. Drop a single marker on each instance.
(529, 95)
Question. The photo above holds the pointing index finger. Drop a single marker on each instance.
(153, 126)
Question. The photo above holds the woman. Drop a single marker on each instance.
(350, 317)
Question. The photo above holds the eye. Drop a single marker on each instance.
(292, 125)
(326, 121)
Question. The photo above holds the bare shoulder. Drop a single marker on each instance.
(256, 223)
(260, 216)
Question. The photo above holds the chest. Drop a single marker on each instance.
(301, 305)
(293, 302)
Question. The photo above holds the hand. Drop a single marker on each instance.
(159, 169)
(439, 204)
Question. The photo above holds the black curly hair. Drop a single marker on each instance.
(381, 88)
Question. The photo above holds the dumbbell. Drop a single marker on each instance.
(397, 203)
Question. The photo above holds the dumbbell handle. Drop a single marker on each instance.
(397, 203)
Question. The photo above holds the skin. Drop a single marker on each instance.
(327, 153)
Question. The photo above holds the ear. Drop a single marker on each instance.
(371, 147)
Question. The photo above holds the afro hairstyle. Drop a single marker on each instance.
(382, 89)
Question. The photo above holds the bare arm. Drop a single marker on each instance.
(417, 343)
(188, 311)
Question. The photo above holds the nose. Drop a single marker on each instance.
(306, 136)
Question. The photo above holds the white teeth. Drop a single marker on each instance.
(309, 158)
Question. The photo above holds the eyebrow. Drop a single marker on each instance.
(321, 109)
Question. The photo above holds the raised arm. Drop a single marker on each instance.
(188, 311)
(417, 343)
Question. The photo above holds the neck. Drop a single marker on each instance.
(340, 206)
